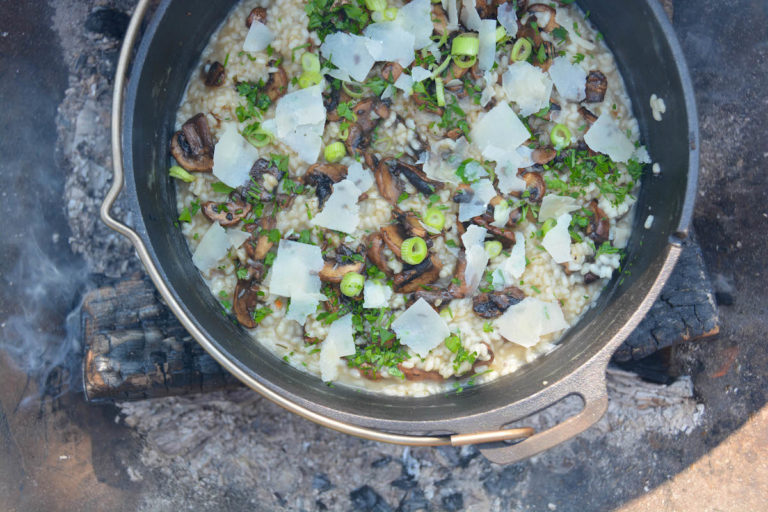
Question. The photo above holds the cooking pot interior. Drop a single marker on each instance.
(168, 56)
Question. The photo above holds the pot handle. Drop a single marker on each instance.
(592, 389)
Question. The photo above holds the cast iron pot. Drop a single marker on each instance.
(651, 62)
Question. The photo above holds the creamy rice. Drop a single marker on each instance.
(409, 132)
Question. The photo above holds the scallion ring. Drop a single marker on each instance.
(390, 14)
(354, 90)
(259, 137)
(434, 218)
(560, 136)
(413, 250)
(310, 62)
(501, 33)
(439, 92)
(335, 151)
(464, 61)
(352, 284)
(344, 132)
(376, 5)
(521, 50)
(465, 47)
(309, 78)
(492, 248)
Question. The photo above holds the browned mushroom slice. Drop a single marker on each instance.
(414, 277)
(494, 304)
(534, 186)
(322, 176)
(454, 133)
(342, 263)
(415, 374)
(389, 186)
(553, 107)
(257, 250)
(543, 156)
(375, 253)
(258, 14)
(393, 238)
(435, 298)
(588, 116)
(245, 301)
(530, 33)
(192, 146)
(596, 86)
(455, 72)
(358, 140)
(459, 288)
(226, 214)
(370, 112)
(391, 71)
(417, 177)
(544, 55)
(589, 277)
(545, 17)
(599, 226)
(439, 19)
(411, 224)
(505, 236)
(277, 84)
(215, 74)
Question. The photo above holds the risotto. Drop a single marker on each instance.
(406, 197)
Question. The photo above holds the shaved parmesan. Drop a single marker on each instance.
(341, 211)
(507, 17)
(483, 193)
(564, 20)
(300, 121)
(361, 177)
(509, 181)
(477, 258)
(420, 328)
(469, 16)
(512, 268)
(376, 294)
(527, 86)
(444, 158)
(553, 206)
(212, 248)
(258, 38)
(487, 39)
(501, 214)
(557, 241)
(237, 237)
(350, 53)
(569, 79)
(473, 171)
(498, 133)
(418, 73)
(339, 342)
(294, 274)
(605, 136)
(233, 157)
(416, 18)
(527, 321)
(395, 43)
(404, 83)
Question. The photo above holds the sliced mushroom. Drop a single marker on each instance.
(393, 238)
(543, 156)
(391, 71)
(596, 86)
(463, 194)
(322, 176)
(257, 250)
(416, 375)
(335, 268)
(599, 226)
(494, 304)
(258, 14)
(530, 33)
(588, 116)
(535, 186)
(411, 224)
(435, 298)
(589, 277)
(215, 74)
(439, 19)
(454, 133)
(416, 176)
(226, 214)
(459, 288)
(245, 301)
(369, 113)
(544, 13)
(389, 186)
(553, 107)
(192, 146)
(375, 253)
(277, 84)
(414, 277)
(548, 52)
(505, 236)
(259, 183)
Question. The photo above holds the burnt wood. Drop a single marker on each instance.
(135, 348)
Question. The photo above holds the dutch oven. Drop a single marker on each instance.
(145, 101)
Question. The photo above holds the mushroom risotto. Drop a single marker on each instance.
(406, 197)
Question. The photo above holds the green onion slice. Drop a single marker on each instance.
(335, 151)
(560, 136)
(259, 137)
(353, 89)
(180, 174)
(492, 248)
(309, 78)
(521, 50)
(434, 218)
(413, 250)
(465, 45)
(352, 284)
(439, 92)
(310, 62)
(376, 5)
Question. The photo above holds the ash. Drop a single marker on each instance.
(235, 450)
